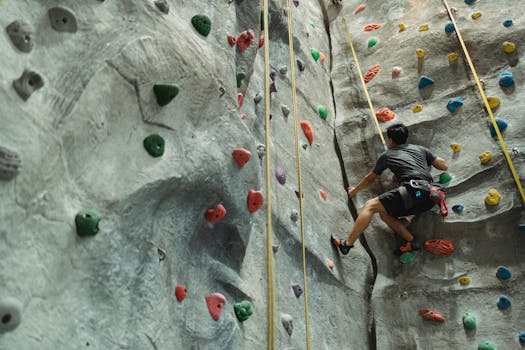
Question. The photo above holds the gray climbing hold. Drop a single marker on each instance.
(283, 70)
(62, 20)
(280, 175)
(287, 322)
(163, 6)
(273, 74)
(9, 164)
(28, 83)
(301, 65)
(21, 35)
(261, 150)
(286, 110)
(258, 98)
(294, 216)
(297, 290)
(275, 248)
(10, 314)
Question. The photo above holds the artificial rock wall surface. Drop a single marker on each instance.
(80, 137)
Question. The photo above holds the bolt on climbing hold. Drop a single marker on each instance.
(431, 315)
(315, 54)
(475, 15)
(521, 337)
(323, 194)
(243, 116)
(330, 264)
(286, 110)
(215, 214)
(469, 2)
(261, 150)
(423, 28)
(9, 164)
(509, 47)
(180, 293)
(86, 222)
(417, 108)
(261, 42)
(215, 302)
(165, 93)
(493, 197)
(258, 98)
(273, 87)
(454, 103)
(10, 314)
(231, 40)
(243, 310)
(297, 290)
(255, 200)
(322, 57)
(273, 74)
(241, 156)
(287, 322)
(458, 208)
(245, 39)
(439, 246)
(469, 321)
(154, 145)
(401, 27)
(27, 84)
(359, 9)
(301, 65)
(449, 28)
(240, 99)
(464, 280)
(506, 79)
(371, 73)
(62, 20)
(294, 216)
(456, 147)
(21, 35)
(370, 27)
(163, 6)
(493, 101)
(162, 254)
(502, 126)
(521, 228)
(202, 24)
(485, 157)
(323, 112)
(372, 42)
(296, 3)
(280, 175)
(283, 70)
(385, 114)
(503, 273)
(444, 178)
(420, 53)
(396, 71)
(275, 248)
(452, 57)
(486, 345)
(240, 77)
(408, 257)
(504, 302)
(308, 130)
(425, 81)
(507, 23)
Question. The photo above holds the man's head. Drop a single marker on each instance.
(397, 133)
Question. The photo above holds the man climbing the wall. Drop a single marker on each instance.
(411, 167)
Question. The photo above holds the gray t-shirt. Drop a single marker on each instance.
(407, 162)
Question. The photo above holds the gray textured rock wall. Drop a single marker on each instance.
(80, 141)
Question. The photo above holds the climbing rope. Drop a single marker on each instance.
(487, 105)
(269, 251)
(372, 111)
(298, 166)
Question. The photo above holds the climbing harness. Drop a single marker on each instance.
(422, 188)
(269, 251)
(298, 166)
(487, 105)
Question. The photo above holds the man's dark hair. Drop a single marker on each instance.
(398, 133)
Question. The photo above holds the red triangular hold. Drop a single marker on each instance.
(231, 40)
(241, 156)
(215, 302)
(308, 130)
(214, 215)
(180, 292)
(255, 200)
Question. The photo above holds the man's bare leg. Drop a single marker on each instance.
(371, 207)
(396, 225)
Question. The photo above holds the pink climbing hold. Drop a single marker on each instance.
(261, 41)
(216, 214)
(371, 27)
(384, 114)
(180, 293)
(255, 200)
(241, 156)
(231, 40)
(240, 99)
(371, 73)
(396, 71)
(243, 116)
(360, 8)
(308, 130)
(322, 57)
(330, 263)
(215, 302)
(245, 39)
(323, 194)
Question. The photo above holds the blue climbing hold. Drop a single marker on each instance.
(504, 302)
(507, 23)
(521, 228)
(506, 79)
(425, 81)
(469, 2)
(449, 28)
(522, 337)
(503, 273)
(458, 208)
(502, 126)
(454, 103)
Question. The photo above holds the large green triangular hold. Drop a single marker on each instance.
(202, 24)
(165, 93)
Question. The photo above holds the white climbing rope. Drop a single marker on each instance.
(298, 166)
(486, 102)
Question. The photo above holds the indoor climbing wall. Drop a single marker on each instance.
(464, 290)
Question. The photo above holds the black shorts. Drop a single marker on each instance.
(394, 205)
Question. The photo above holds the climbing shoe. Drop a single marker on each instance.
(409, 246)
(341, 245)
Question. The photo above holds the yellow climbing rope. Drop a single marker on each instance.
(372, 111)
(487, 105)
(269, 252)
(298, 166)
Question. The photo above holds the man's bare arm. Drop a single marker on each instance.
(364, 183)
(440, 164)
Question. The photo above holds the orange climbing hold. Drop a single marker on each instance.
(385, 114)
(215, 302)
(360, 8)
(245, 39)
(241, 156)
(439, 246)
(372, 26)
(308, 130)
(330, 263)
(231, 40)
(372, 72)
(240, 99)
(214, 215)
(255, 200)
(323, 194)
(322, 57)
(261, 41)
(431, 315)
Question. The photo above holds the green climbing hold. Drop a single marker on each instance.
(202, 24)
(486, 345)
(314, 25)
(407, 257)
(262, 20)
(323, 112)
(444, 178)
(165, 93)
(243, 310)
(87, 223)
(240, 78)
(315, 54)
(372, 42)
(469, 321)
(154, 144)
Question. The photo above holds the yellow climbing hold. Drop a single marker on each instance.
(452, 57)
(493, 197)
(420, 53)
(509, 47)
(417, 108)
(423, 28)
(493, 101)
(464, 280)
(485, 157)
(401, 27)
(456, 147)
(476, 15)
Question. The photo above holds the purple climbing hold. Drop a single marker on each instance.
(301, 65)
(296, 3)
(273, 88)
(297, 290)
(273, 74)
(280, 175)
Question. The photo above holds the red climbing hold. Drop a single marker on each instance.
(241, 156)
(245, 39)
(180, 293)
(372, 72)
(439, 246)
(215, 302)
(231, 40)
(240, 99)
(261, 41)
(359, 9)
(323, 194)
(255, 200)
(384, 114)
(431, 315)
(214, 215)
(308, 130)
(372, 26)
